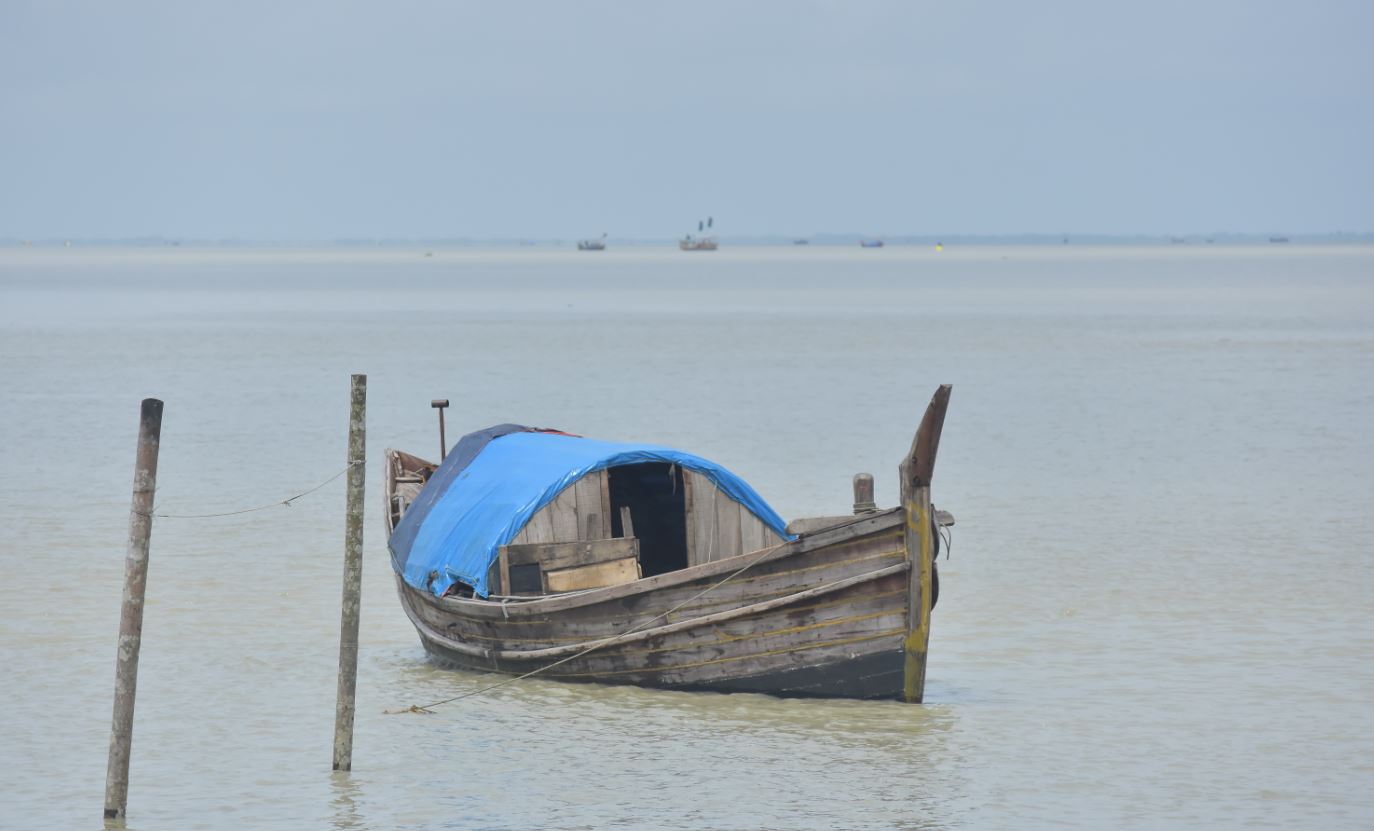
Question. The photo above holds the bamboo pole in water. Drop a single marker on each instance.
(353, 578)
(131, 612)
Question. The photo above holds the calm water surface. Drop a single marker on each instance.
(1159, 610)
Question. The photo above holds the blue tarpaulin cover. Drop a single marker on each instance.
(494, 480)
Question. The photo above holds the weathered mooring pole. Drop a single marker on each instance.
(131, 613)
(353, 578)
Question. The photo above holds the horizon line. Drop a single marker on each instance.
(818, 237)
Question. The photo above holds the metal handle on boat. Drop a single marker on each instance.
(439, 404)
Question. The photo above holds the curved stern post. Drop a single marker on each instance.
(915, 472)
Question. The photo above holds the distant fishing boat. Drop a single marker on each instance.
(1278, 239)
(801, 241)
(592, 244)
(871, 243)
(704, 243)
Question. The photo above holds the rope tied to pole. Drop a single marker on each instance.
(282, 503)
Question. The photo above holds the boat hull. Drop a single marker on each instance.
(822, 616)
(867, 676)
(698, 245)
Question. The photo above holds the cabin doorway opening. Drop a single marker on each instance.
(654, 493)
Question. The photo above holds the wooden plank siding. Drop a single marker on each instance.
(539, 529)
(687, 503)
(765, 581)
(833, 539)
(700, 654)
(563, 515)
(591, 514)
(701, 518)
(727, 527)
(865, 619)
(718, 526)
(604, 481)
(580, 512)
(555, 555)
(751, 530)
(592, 575)
(825, 614)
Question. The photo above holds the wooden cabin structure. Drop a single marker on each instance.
(660, 515)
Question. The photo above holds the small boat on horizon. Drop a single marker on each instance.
(530, 550)
(703, 243)
(688, 243)
(871, 243)
(592, 244)
(1278, 239)
(801, 241)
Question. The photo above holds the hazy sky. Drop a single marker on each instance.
(322, 120)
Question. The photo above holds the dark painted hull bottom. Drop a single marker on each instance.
(868, 676)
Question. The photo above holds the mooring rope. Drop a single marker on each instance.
(428, 708)
(286, 503)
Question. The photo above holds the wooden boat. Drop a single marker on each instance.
(698, 244)
(661, 574)
(591, 244)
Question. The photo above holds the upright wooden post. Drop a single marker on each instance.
(916, 507)
(916, 471)
(863, 494)
(439, 404)
(131, 612)
(353, 578)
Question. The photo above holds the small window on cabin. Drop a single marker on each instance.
(654, 493)
(525, 579)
